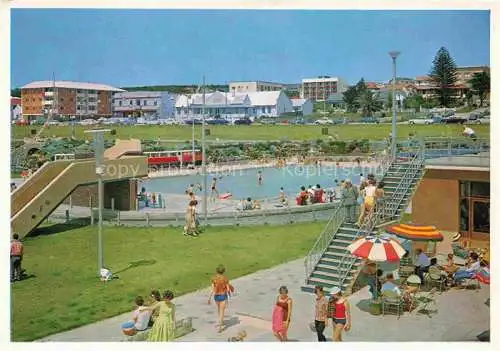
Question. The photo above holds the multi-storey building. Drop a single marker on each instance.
(66, 98)
(254, 86)
(323, 88)
(147, 104)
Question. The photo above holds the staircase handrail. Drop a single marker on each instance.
(332, 226)
(372, 219)
(324, 239)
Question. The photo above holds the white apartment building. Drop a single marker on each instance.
(254, 86)
(323, 88)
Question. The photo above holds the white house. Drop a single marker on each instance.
(232, 106)
(303, 106)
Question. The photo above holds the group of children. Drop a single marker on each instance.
(311, 195)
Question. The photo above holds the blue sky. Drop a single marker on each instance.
(152, 47)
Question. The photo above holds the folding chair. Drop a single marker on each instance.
(435, 278)
(428, 299)
(414, 282)
(392, 301)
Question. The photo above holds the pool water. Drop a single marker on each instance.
(244, 183)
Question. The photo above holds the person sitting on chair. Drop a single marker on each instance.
(422, 265)
(472, 267)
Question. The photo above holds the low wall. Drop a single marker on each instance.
(310, 213)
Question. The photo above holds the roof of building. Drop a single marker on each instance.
(320, 79)
(473, 68)
(423, 78)
(15, 101)
(140, 94)
(256, 81)
(69, 85)
(260, 98)
(299, 102)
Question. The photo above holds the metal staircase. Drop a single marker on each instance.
(329, 263)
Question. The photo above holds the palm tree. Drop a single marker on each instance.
(369, 103)
(480, 83)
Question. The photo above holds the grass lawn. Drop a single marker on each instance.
(263, 132)
(65, 292)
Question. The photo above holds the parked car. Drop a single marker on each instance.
(268, 121)
(153, 122)
(437, 120)
(478, 119)
(218, 121)
(193, 121)
(323, 122)
(454, 120)
(369, 120)
(243, 121)
(168, 122)
(421, 121)
(88, 122)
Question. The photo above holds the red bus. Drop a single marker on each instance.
(173, 158)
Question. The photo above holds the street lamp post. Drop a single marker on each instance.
(203, 158)
(394, 55)
(98, 135)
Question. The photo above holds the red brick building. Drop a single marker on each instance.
(66, 98)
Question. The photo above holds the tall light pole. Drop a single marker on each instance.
(203, 158)
(394, 55)
(98, 135)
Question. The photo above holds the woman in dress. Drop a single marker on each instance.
(342, 314)
(282, 313)
(164, 326)
(190, 227)
(221, 290)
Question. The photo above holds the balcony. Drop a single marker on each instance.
(49, 94)
(48, 102)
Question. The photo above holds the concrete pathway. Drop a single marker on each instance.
(461, 314)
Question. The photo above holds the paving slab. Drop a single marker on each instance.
(461, 314)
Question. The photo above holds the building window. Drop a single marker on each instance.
(92, 108)
(130, 102)
(138, 102)
(119, 103)
(145, 103)
(475, 207)
(155, 103)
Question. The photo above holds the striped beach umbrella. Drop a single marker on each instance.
(377, 249)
